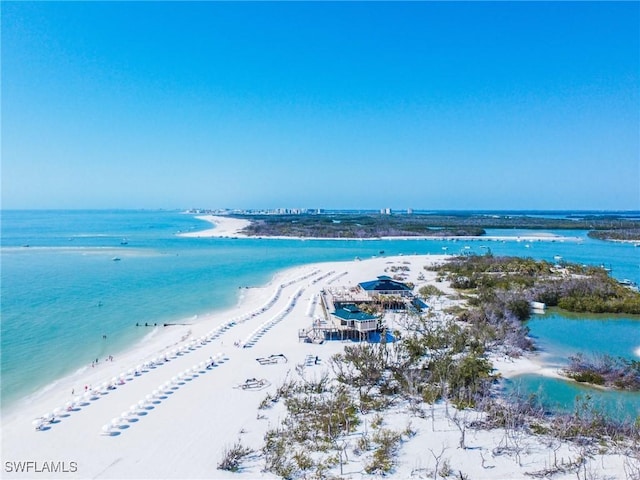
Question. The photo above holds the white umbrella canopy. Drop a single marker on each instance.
(115, 422)
(106, 428)
(37, 423)
(69, 405)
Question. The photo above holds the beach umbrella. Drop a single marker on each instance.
(141, 404)
(106, 429)
(69, 406)
(77, 399)
(37, 423)
(57, 411)
(133, 408)
(124, 416)
(149, 398)
(115, 422)
(174, 379)
(155, 393)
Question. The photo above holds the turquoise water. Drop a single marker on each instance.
(560, 395)
(558, 336)
(63, 292)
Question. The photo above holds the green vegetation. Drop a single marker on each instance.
(434, 362)
(355, 226)
(233, 457)
(516, 281)
(615, 372)
(373, 225)
(500, 290)
(430, 291)
(328, 419)
(627, 234)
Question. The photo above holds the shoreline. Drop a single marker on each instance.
(223, 227)
(199, 410)
(230, 227)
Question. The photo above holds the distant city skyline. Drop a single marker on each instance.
(332, 105)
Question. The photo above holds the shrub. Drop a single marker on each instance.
(233, 457)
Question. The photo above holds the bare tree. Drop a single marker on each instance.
(438, 458)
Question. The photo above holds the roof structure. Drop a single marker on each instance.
(351, 312)
(384, 284)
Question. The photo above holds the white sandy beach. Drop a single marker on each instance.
(181, 428)
(222, 227)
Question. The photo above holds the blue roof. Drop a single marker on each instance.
(351, 312)
(419, 303)
(384, 283)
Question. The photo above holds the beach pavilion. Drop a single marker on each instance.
(352, 319)
(385, 285)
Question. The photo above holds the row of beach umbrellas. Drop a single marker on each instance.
(257, 333)
(322, 277)
(95, 393)
(157, 395)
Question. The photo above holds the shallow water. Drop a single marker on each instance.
(64, 291)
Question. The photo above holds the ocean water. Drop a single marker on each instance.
(61, 290)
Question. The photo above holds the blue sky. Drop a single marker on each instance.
(333, 105)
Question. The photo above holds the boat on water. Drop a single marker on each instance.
(116, 259)
(629, 284)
